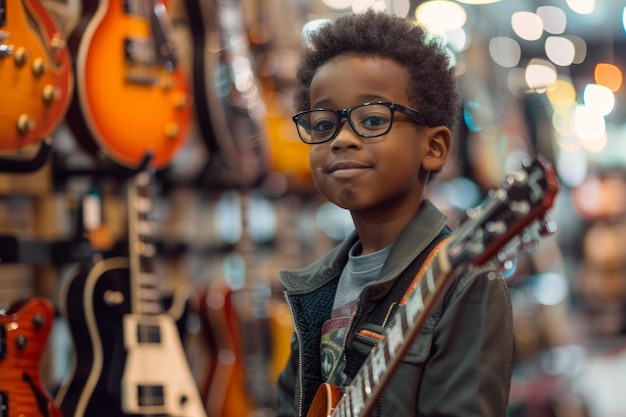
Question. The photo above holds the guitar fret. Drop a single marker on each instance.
(357, 401)
(414, 305)
(395, 337)
(150, 307)
(378, 364)
(149, 293)
(430, 282)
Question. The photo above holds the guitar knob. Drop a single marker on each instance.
(50, 93)
(21, 342)
(39, 321)
(21, 56)
(57, 43)
(25, 124)
(6, 50)
(180, 100)
(171, 130)
(39, 67)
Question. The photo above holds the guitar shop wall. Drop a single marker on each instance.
(148, 165)
(141, 198)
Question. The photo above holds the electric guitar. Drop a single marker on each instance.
(131, 94)
(512, 218)
(129, 359)
(229, 108)
(24, 329)
(36, 78)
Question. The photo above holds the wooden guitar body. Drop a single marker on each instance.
(113, 374)
(24, 330)
(224, 388)
(323, 404)
(131, 95)
(36, 79)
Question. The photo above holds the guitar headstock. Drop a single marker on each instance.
(517, 208)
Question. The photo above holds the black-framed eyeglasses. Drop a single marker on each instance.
(368, 120)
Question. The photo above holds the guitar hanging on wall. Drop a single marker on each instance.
(511, 219)
(36, 78)
(24, 329)
(128, 354)
(131, 94)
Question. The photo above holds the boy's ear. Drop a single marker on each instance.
(439, 141)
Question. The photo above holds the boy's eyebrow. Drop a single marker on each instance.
(366, 98)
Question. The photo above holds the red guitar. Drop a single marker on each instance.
(24, 330)
(35, 74)
(131, 94)
(512, 217)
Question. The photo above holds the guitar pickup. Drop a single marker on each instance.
(139, 51)
(138, 76)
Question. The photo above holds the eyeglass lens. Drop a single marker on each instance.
(366, 120)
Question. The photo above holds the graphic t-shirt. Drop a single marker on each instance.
(359, 271)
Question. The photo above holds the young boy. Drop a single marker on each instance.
(377, 102)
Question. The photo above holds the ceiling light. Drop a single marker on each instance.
(478, 1)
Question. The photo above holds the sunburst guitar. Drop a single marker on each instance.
(131, 95)
(36, 79)
(24, 329)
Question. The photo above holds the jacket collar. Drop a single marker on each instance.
(413, 239)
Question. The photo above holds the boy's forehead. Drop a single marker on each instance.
(357, 79)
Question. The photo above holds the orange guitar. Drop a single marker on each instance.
(35, 74)
(24, 330)
(131, 94)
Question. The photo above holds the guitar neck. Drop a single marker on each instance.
(361, 396)
(145, 285)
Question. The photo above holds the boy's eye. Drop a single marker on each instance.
(323, 126)
(374, 121)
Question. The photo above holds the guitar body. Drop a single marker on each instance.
(36, 77)
(324, 401)
(114, 372)
(130, 96)
(24, 330)
(224, 388)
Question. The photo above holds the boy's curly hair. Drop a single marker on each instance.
(432, 87)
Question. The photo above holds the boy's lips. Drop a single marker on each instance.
(347, 168)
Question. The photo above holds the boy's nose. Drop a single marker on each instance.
(346, 136)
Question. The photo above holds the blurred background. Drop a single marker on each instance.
(233, 199)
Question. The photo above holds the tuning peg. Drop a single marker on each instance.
(548, 227)
(529, 240)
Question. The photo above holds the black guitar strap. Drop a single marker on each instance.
(358, 352)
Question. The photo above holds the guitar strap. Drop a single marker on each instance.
(395, 298)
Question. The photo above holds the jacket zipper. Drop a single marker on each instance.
(300, 358)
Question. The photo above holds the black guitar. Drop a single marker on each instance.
(128, 355)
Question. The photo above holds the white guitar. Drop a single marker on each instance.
(129, 358)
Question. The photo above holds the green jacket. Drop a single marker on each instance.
(460, 364)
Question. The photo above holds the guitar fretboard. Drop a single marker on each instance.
(145, 284)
